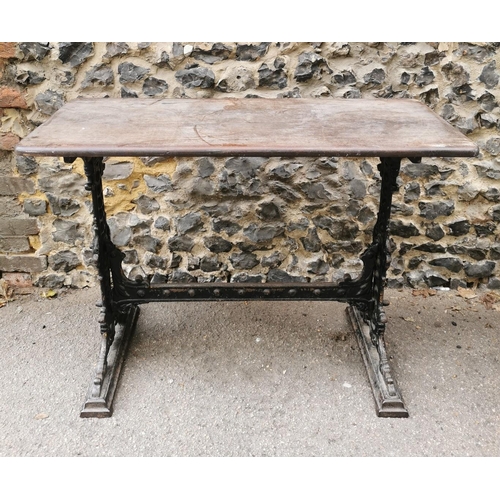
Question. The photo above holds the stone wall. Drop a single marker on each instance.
(246, 219)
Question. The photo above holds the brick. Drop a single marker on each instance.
(7, 50)
(9, 206)
(16, 185)
(14, 244)
(8, 141)
(23, 263)
(18, 227)
(19, 283)
(11, 98)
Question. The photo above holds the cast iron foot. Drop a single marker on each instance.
(102, 404)
(388, 400)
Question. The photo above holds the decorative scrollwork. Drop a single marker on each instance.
(102, 250)
(376, 317)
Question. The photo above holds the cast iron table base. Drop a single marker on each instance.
(121, 297)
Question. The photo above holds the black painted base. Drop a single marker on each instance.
(102, 406)
(387, 405)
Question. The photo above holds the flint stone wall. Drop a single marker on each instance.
(252, 219)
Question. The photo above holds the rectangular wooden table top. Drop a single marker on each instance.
(246, 127)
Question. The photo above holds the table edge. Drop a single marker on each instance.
(472, 151)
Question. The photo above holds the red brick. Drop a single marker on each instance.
(11, 98)
(19, 283)
(18, 279)
(7, 49)
(8, 141)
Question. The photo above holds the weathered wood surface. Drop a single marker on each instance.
(246, 127)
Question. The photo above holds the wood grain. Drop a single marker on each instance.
(246, 127)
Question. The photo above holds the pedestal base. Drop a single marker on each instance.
(102, 406)
(387, 404)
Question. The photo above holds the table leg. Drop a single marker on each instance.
(117, 323)
(368, 319)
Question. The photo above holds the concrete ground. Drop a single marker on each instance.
(251, 379)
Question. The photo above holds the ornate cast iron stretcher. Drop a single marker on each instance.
(390, 129)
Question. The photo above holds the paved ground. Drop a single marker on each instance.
(251, 379)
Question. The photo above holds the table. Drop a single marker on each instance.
(390, 129)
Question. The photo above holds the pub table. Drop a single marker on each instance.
(390, 129)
